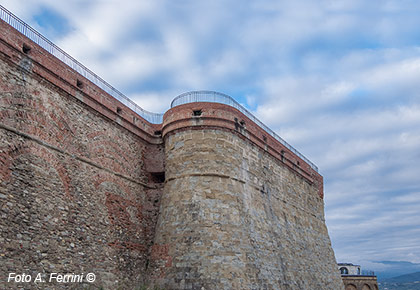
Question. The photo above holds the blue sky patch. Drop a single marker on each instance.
(51, 24)
(339, 78)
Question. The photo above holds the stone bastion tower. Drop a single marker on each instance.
(202, 197)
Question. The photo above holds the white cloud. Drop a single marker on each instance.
(153, 101)
(339, 80)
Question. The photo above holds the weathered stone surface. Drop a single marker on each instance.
(75, 195)
(82, 191)
(234, 217)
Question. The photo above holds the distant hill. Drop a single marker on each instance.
(389, 269)
(404, 278)
(403, 282)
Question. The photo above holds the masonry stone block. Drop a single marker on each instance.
(201, 201)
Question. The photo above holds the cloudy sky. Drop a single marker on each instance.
(339, 80)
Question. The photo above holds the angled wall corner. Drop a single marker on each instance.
(233, 214)
(205, 199)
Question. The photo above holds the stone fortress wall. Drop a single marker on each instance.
(78, 191)
(205, 200)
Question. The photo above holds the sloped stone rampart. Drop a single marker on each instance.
(235, 217)
(209, 201)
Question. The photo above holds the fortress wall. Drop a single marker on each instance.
(233, 215)
(49, 69)
(82, 177)
(220, 115)
(78, 189)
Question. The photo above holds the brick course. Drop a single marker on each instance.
(235, 217)
(213, 202)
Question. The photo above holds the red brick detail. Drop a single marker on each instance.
(104, 177)
(225, 117)
(161, 253)
(128, 246)
(109, 154)
(4, 166)
(55, 72)
(33, 118)
(153, 158)
(130, 231)
(9, 155)
(117, 210)
(49, 68)
(57, 165)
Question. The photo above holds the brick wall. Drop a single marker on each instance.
(88, 186)
(77, 191)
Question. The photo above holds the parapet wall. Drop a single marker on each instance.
(215, 115)
(358, 282)
(205, 199)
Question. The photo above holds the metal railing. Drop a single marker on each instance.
(39, 39)
(154, 118)
(368, 273)
(215, 97)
